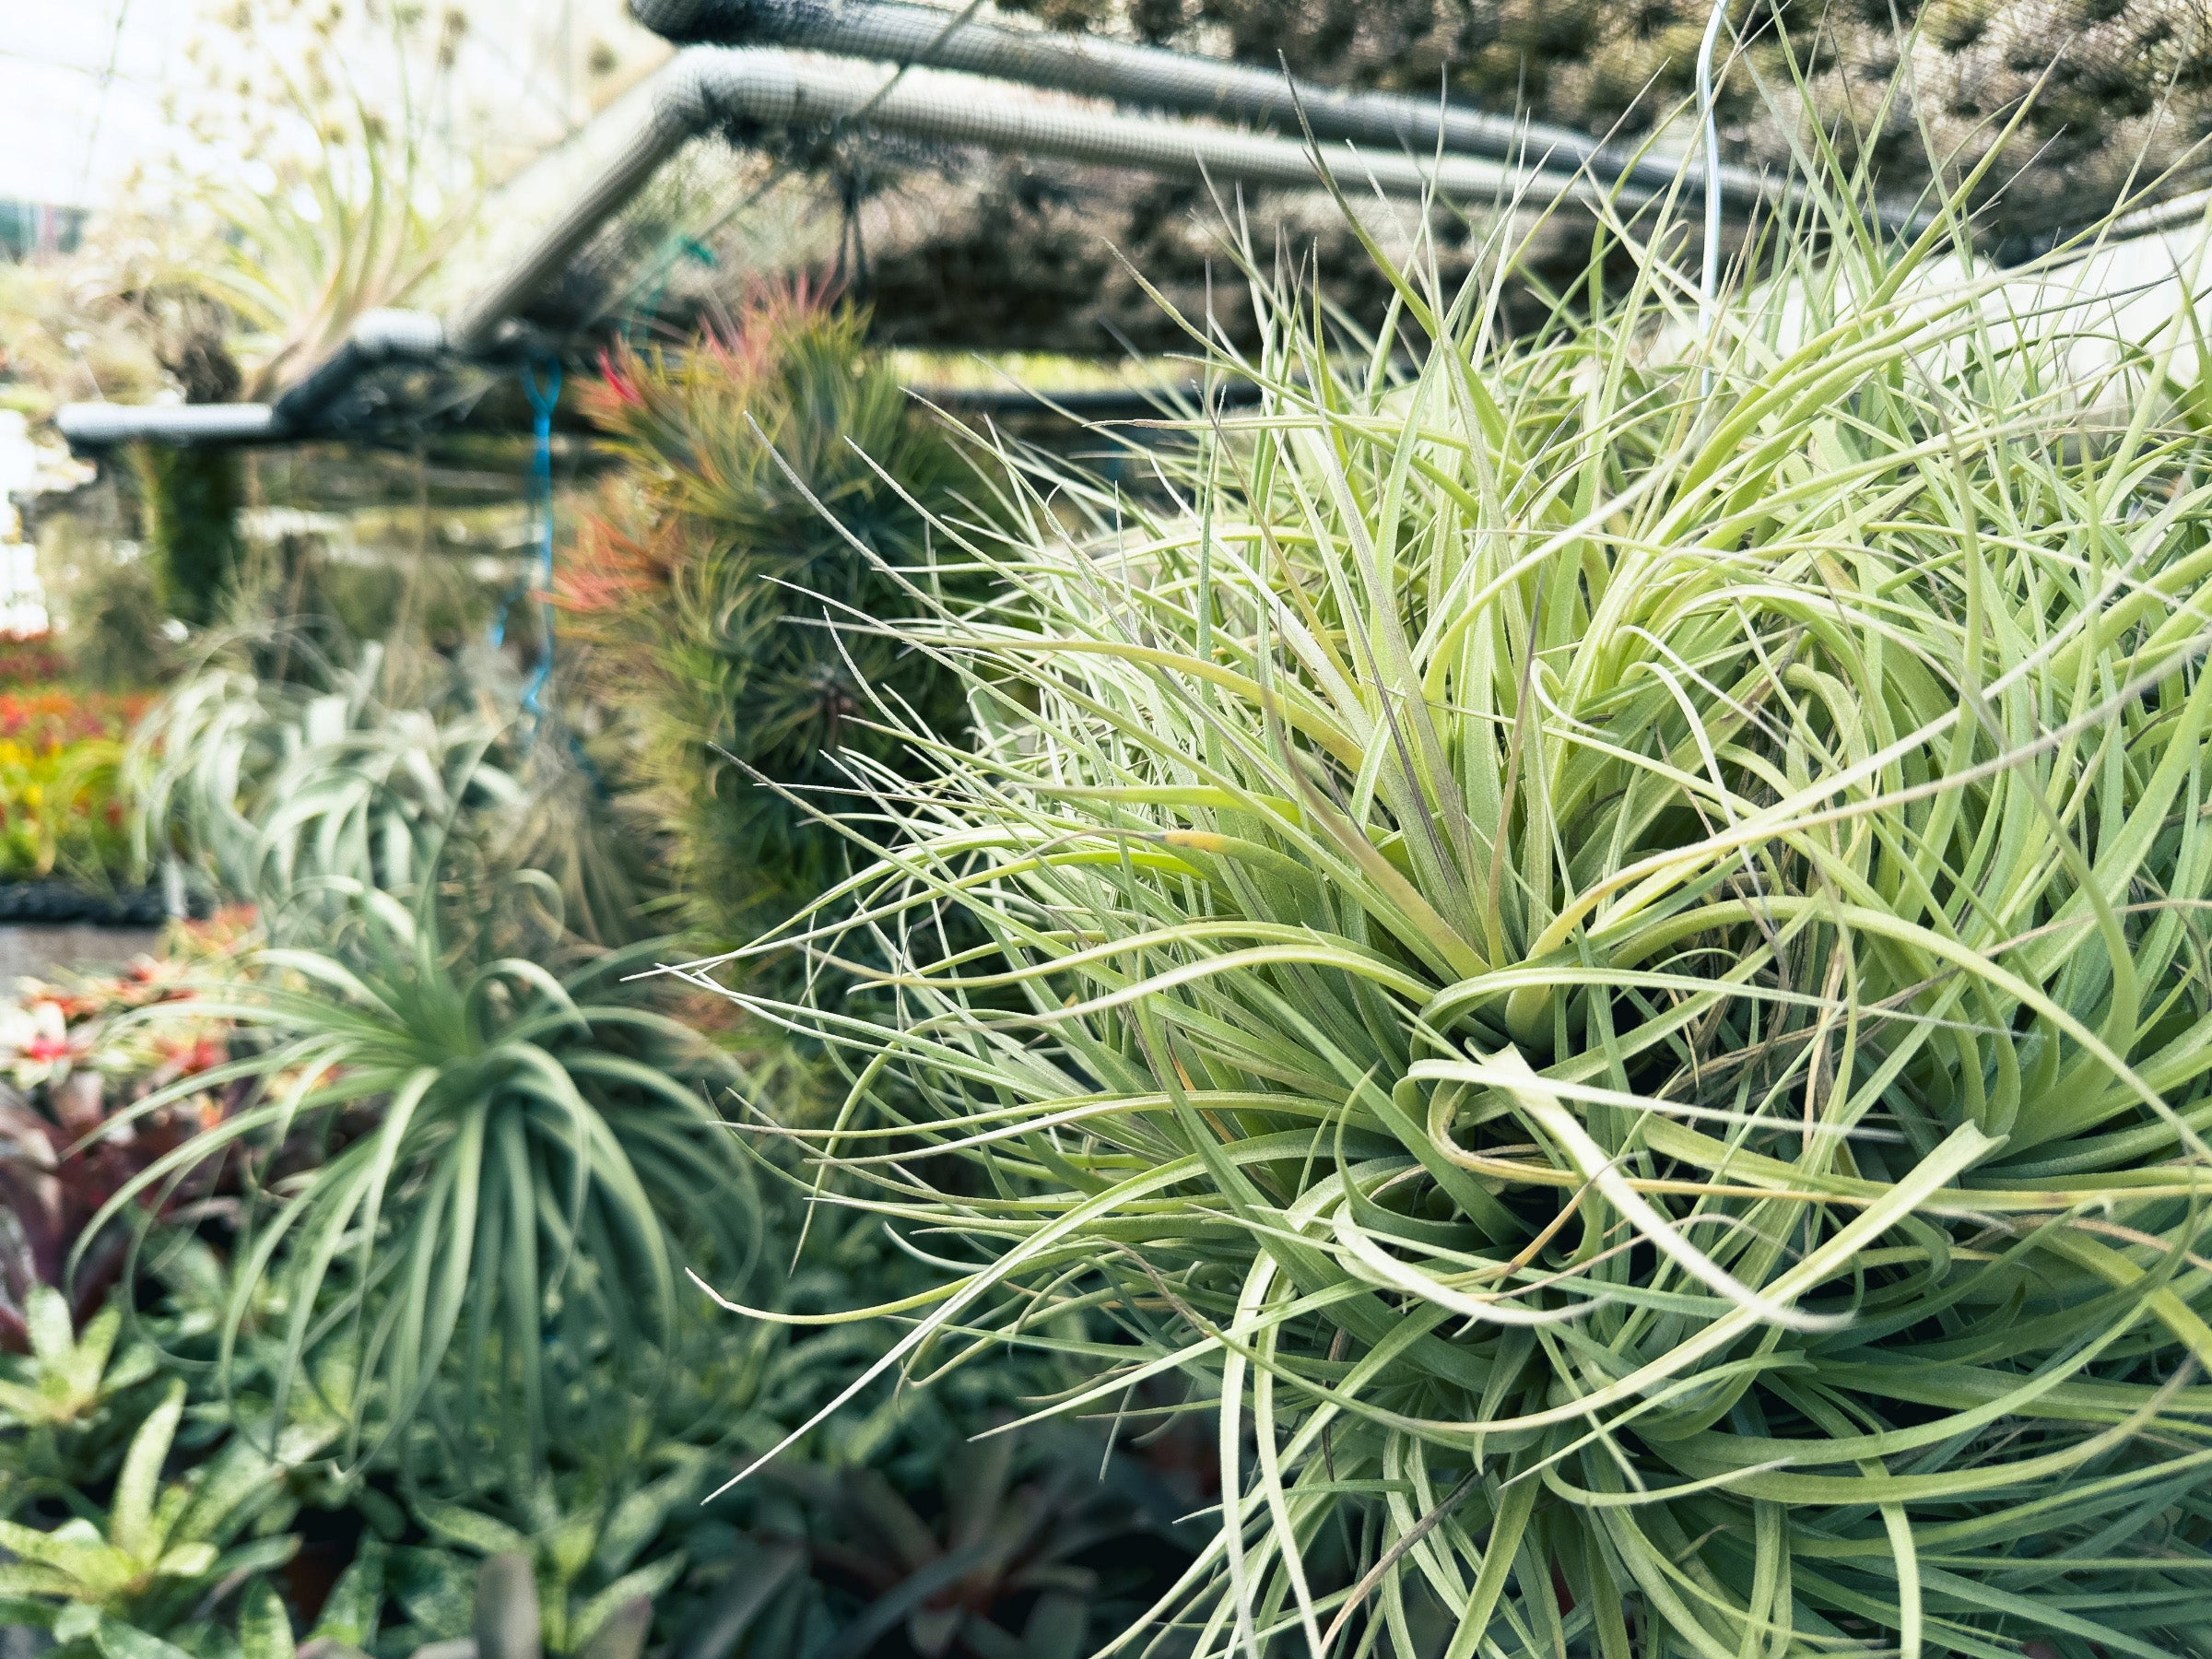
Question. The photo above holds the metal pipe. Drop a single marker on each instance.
(896, 32)
(758, 91)
(377, 337)
(100, 426)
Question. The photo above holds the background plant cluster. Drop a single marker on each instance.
(62, 810)
(351, 1263)
(2072, 99)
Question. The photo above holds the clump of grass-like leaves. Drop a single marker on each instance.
(477, 1154)
(1618, 975)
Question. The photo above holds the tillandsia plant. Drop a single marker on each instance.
(478, 1152)
(781, 482)
(502, 1617)
(365, 192)
(468, 1158)
(293, 798)
(1601, 937)
(298, 797)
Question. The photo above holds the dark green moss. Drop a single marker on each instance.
(191, 498)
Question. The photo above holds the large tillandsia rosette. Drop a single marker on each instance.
(1619, 975)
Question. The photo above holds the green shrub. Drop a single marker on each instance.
(1618, 971)
(780, 480)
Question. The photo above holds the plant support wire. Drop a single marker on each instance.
(1709, 137)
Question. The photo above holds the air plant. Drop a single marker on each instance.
(469, 1135)
(1602, 936)
(499, 1154)
(502, 1614)
(369, 196)
(710, 584)
(296, 797)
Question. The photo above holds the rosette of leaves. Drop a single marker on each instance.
(497, 1157)
(142, 1578)
(1603, 942)
(68, 1405)
(780, 490)
(480, 1152)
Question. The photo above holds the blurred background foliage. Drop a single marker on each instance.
(2114, 92)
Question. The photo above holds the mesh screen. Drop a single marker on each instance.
(2125, 85)
(955, 249)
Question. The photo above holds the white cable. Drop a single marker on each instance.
(1709, 276)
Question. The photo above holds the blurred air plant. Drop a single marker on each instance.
(352, 192)
(781, 480)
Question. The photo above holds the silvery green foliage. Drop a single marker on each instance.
(1616, 970)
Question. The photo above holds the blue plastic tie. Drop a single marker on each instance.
(541, 384)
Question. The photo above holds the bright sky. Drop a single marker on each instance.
(62, 140)
(81, 80)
